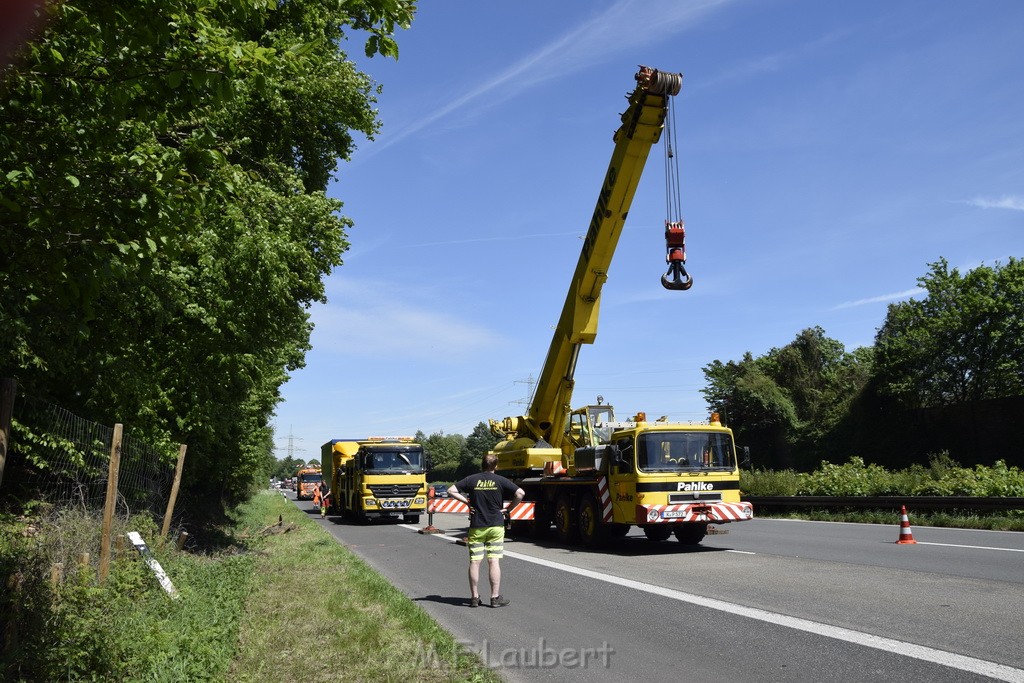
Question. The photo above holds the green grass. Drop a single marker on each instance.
(265, 605)
(316, 607)
(126, 628)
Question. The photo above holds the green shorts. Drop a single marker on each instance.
(488, 538)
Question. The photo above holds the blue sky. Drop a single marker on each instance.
(829, 151)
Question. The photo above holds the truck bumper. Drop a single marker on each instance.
(721, 513)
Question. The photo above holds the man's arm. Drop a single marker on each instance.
(517, 498)
(453, 492)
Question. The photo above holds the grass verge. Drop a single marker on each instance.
(318, 612)
(276, 601)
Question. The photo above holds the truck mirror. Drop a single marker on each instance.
(745, 462)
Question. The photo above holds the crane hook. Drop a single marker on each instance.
(679, 279)
(676, 277)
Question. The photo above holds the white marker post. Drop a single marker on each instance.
(136, 538)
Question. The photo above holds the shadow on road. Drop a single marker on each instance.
(444, 600)
(627, 546)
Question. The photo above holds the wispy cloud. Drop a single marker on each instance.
(368, 319)
(1005, 202)
(620, 28)
(776, 61)
(880, 299)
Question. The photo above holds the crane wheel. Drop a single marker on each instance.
(565, 524)
(588, 519)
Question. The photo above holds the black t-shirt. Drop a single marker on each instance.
(486, 491)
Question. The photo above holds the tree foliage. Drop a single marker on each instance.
(445, 453)
(786, 402)
(479, 442)
(964, 341)
(163, 167)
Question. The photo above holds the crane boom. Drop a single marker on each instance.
(541, 429)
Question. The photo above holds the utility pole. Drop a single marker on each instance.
(531, 383)
(292, 439)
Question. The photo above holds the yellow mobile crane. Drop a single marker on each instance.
(588, 474)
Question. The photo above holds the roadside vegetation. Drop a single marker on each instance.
(272, 598)
(942, 477)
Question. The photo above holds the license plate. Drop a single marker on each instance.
(673, 514)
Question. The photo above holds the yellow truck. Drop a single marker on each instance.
(306, 480)
(588, 475)
(380, 477)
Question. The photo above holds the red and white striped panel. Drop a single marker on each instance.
(447, 505)
(523, 511)
(694, 512)
(604, 495)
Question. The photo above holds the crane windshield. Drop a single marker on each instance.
(590, 426)
(684, 451)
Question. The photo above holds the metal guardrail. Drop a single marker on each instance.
(887, 502)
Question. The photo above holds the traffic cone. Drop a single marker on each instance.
(905, 535)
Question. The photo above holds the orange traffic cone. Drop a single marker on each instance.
(905, 535)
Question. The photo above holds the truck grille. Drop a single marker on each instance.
(680, 498)
(393, 490)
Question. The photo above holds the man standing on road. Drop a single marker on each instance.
(484, 493)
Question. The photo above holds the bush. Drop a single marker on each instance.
(769, 482)
(126, 628)
(943, 477)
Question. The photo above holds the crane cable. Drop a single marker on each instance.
(675, 231)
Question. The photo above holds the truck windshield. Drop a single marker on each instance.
(397, 461)
(684, 451)
(311, 478)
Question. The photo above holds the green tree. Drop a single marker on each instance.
(163, 166)
(445, 454)
(786, 403)
(760, 412)
(478, 443)
(285, 467)
(962, 342)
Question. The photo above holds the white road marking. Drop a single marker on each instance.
(962, 662)
(975, 547)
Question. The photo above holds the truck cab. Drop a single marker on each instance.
(378, 478)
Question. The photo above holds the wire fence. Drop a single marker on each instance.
(64, 460)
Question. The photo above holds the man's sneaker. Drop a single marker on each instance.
(499, 601)
(474, 602)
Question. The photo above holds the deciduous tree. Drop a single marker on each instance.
(963, 341)
(163, 166)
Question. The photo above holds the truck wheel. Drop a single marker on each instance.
(565, 526)
(657, 532)
(616, 530)
(589, 521)
(691, 534)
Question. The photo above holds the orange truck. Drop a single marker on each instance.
(306, 480)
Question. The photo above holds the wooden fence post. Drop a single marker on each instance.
(108, 508)
(8, 388)
(174, 491)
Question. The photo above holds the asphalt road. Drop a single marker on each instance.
(770, 600)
